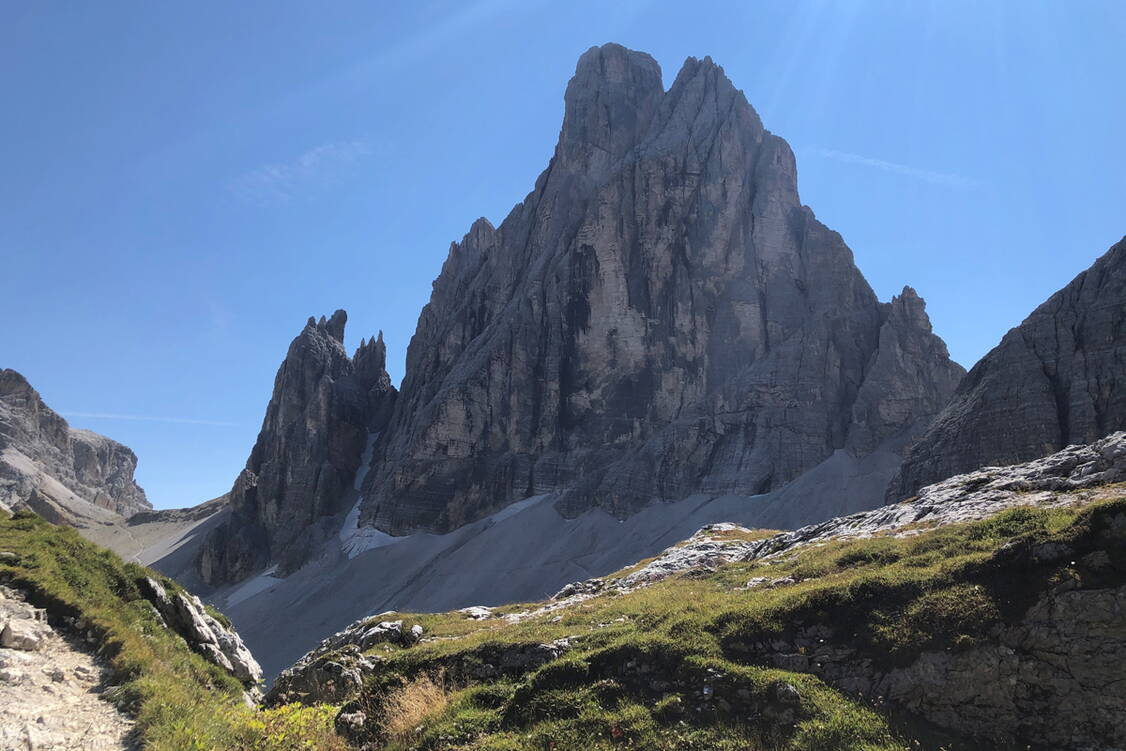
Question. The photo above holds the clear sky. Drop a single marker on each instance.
(183, 184)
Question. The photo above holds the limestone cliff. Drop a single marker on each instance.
(67, 475)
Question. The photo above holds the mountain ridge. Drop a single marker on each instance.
(1057, 378)
(69, 475)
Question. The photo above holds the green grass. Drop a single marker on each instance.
(179, 700)
(675, 664)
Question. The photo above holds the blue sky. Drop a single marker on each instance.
(184, 184)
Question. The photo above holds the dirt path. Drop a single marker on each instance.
(51, 688)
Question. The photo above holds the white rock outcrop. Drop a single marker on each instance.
(186, 615)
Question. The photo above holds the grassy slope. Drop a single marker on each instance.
(180, 701)
(672, 666)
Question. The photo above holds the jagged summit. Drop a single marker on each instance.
(644, 325)
(333, 326)
(323, 407)
(608, 106)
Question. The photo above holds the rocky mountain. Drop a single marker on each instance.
(69, 476)
(324, 406)
(1057, 379)
(659, 317)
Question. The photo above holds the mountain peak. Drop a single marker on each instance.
(295, 476)
(12, 381)
(333, 326)
(609, 104)
(910, 307)
(615, 64)
(662, 268)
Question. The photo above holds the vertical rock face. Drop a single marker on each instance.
(61, 473)
(1057, 379)
(660, 316)
(323, 407)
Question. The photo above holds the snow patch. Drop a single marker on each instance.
(355, 539)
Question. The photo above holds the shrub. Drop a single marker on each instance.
(405, 709)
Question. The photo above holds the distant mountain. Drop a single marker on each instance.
(659, 318)
(1057, 379)
(69, 476)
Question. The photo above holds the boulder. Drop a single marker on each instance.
(25, 634)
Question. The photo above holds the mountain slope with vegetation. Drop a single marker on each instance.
(984, 613)
(180, 701)
(987, 613)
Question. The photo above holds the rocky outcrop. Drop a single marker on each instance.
(910, 374)
(1057, 379)
(1053, 678)
(323, 409)
(659, 317)
(66, 475)
(22, 626)
(335, 670)
(1050, 678)
(220, 644)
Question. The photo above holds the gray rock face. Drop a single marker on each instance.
(323, 408)
(660, 316)
(1053, 678)
(221, 645)
(1057, 379)
(66, 475)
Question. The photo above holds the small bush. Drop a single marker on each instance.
(406, 709)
